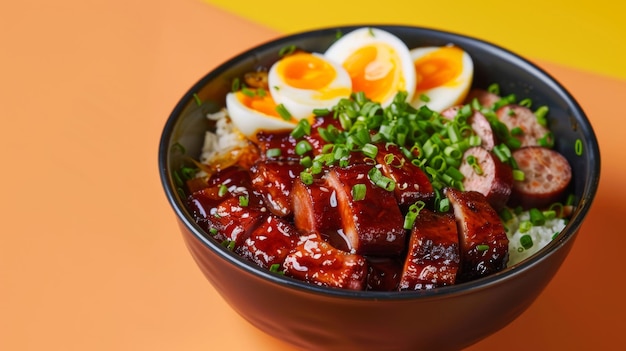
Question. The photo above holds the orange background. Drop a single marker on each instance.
(90, 254)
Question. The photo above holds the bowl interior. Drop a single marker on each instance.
(183, 134)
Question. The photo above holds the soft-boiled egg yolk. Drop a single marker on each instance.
(378, 62)
(253, 112)
(303, 82)
(444, 75)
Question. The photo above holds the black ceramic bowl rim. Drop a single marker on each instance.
(567, 233)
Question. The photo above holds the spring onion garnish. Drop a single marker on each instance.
(494, 89)
(248, 92)
(578, 147)
(517, 131)
(236, 85)
(424, 98)
(506, 215)
(320, 112)
(229, 244)
(473, 162)
(549, 214)
(244, 200)
(306, 161)
(482, 247)
(213, 231)
(443, 205)
(547, 140)
(541, 113)
(197, 99)
(222, 190)
(358, 192)
(412, 213)
(536, 217)
(526, 103)
(283, 112)
(301, 129)
(380, 180)
(526, 241)
(306, 177)
(286, 50)
(302, 147)
(518, 175)
(274, 152)
(525, 226)
(275, 268)
(261, 92)
(369, 150)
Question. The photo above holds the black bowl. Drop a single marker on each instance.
(446, 318)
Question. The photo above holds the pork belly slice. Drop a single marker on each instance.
(316, 261)
(274, 180)
(483, 243)
(282, 141)
(315, 210)
(270, 242)
(383, 273)
(230, 222)
(412, 184)
(433, 256)
(372, 225)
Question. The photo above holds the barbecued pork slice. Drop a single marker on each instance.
(273, 180)
(277, 146)
(483, 243)
(316, 261)
(412, 184)
(383, 273)
(372, 223)
(270, 242)
(315, 210)
(433, 254)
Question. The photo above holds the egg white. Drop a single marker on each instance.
(449, 93)
(390, 48)
(250, 121)
(288, 85)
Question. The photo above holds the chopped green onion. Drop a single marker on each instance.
(482, 247)
(302, 147)
(541, 115)
(549, 214)
(412, 213)
(301, 129)
(213, 231)
(424, 98)
(526, 241)
(525, 226)
(536, 217)
(526, 103)
(547, 140)
(261, 92)
(283, 112)
(222, 190)
(380, 180)
(275, 268)
(358, 192)
(473, 162)
(306, 177)
(244, 200)
(517, 131)
(444, 205)
(236, 85)
(197, 99)
(578, 147)
(320, 112)
(286, 50)
(370, 150)
(306, 161)
(247, 92)
(274, 152)
(506, 215)
(494, 89)
(518, 175)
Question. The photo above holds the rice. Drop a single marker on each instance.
(540, 235)
(221, 142)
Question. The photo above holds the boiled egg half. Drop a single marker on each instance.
(444, 76)
(378, 62)
(303, 82)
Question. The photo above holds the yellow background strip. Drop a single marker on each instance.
(589, 35)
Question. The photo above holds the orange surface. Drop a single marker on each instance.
(90, 254)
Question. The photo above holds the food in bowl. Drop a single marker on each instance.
(313, 317)
(373, 166)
